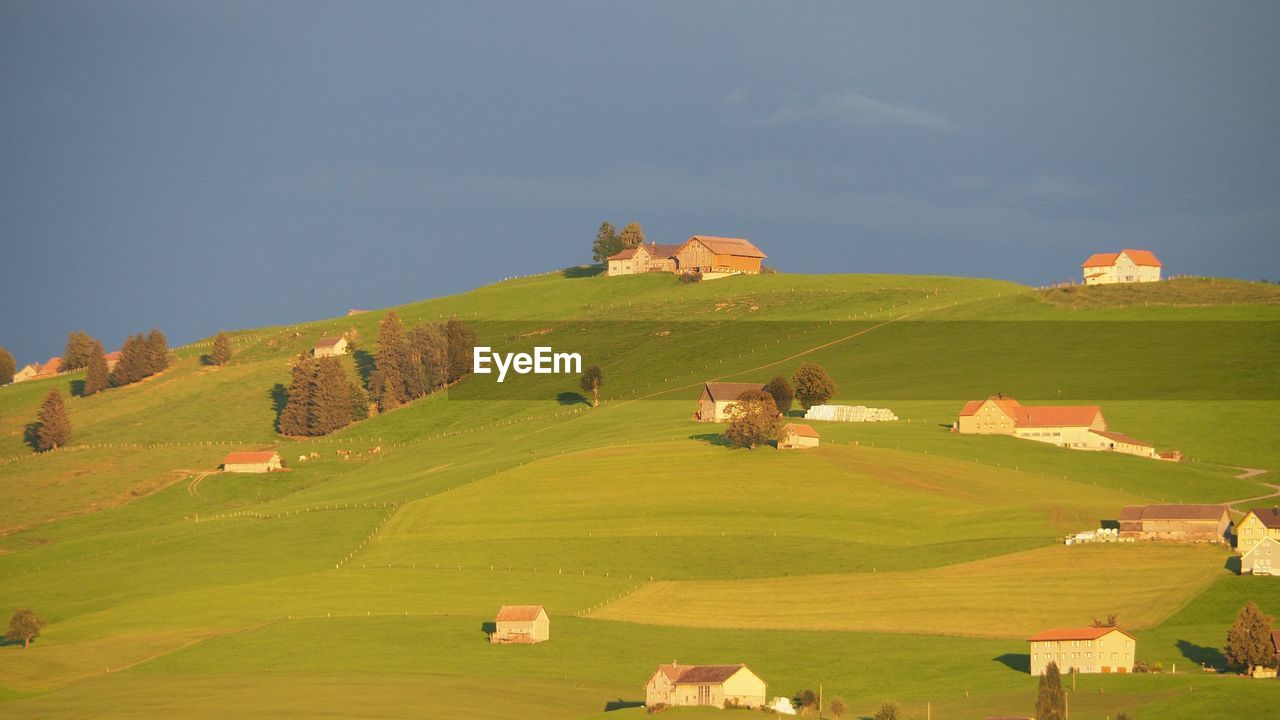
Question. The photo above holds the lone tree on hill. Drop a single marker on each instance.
(813, 385)
(837, 707)
(1249, 640)
(631, 236)
(888, 710)
(221, 352)
(781, 392)
(462, 341)
(53, 426)
(590, 382)
(24, 626)
(606, 242)
(96, 376)
(8, 366)
(753, 419)
(78, 351)
(1051, 702)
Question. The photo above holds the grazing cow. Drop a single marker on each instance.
(375, 450)
(302, 458)
(315, 455)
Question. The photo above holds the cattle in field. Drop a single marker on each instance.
(302, 458)
(315, 455)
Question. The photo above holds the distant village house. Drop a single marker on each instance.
(1126, 266)
(1180, 523)
(524, 624)
(26, 373)
(797, 436)
(717, 397)
(704, 685)
(330, 347)
(252, 462)
(1257, 524)
(1084, 650)
(1262, 559)
(1080, 427)
(705, 254)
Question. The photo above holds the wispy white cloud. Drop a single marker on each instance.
(852, 107)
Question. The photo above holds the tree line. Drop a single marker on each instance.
(609, 241)
(756, 417)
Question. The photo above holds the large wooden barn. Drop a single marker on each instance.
(1179, 523)
(522, 624)
(701, 253)
(704, 685)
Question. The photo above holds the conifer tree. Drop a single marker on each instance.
(359, 402)
(293, 419)
(429, 349)
(1249, 640)
(329, 406)
(131, 367)
(77, 352)
(393, 363)
(8, 366)
(157, 352)
(606, 242)
(1051, 702)
(53, 424)
(96, 377)
(631, 236)
(221, 352)
(462, 340)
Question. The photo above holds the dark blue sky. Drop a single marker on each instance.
(206, 166)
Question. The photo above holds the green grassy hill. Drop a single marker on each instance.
(898, 560)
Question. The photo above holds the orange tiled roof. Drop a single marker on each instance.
(624, 255)
(1056, 416)
(519, 612)
(801, 430)
(1172, 512)
(249, 458)
(1142, 257)
(1100, 260)
(1089, 633)
(1139, 257)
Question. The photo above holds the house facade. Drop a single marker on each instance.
(717, 397)
(704, 685)
(1084, 650)
(1126, 266)
(1079, 427)
(523, 624)
(797, 436)
(330, 347)
(700, 253)
(252, 462)
(1257, 524)
(1178, 523)
(26, 373)
(1262, 559)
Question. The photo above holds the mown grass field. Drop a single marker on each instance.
(898, 560)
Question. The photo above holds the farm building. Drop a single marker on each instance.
(1080, 427)
(26, 373)
(1126, 266)
(795, 436)
(849, 413)
(1182, 523)
(700, 253)
(252, 462)
(706, 685)
(521, 624)
(1257, 524)
(330, 347)
(1262, 559)
(717, 397)
(1086, 650)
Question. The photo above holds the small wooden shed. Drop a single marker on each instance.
(330, 347)
(797, 436)
(252, 462)
(521, 624)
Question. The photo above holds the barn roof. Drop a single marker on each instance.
(1100, 260)
(1120, 438)
(1142, 257)
(1270, 517)
(728, 246)
(1172, 512)
(1056, 415)
(1007, 404)
(729, 391)
(1087, 633)
(665, 250)
(801, 430)
(519, 612)
(707, 674)
(1139, 257)
(250, 458)
(330, 341)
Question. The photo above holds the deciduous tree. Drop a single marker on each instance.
(54, 425)
(24, 626)
(813, 385)
(221, 352)
(1051, 701)
(590, 382)
(96, 376)
(837, 707)
(805, 700)
(606, 242)
(781, 392)
(8, 366)
(753, 419)
(1249, 640)
(631, 236)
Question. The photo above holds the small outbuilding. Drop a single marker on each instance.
(720, 686)
(252, 462)
(717, 397)
(1262, 559)
(797, 436)
(330, 347)
(525, 624)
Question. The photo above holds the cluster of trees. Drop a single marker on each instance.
(24, 626)
(755, 418)
(321, 398)
(428, 357)
(85, 351)
(141, 356)
(609, 241)
(807, 701)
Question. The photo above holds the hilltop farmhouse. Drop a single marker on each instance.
(26, 373)
(525, 624)
(796, 436)
(1183, 523)
(701, 253)
(1085, 650)
(706, 685)
(1262, 559)
(252, 462)
(1257, 524)
(1080, 427)
(717, 397)
(330, 347)
(1126, 266)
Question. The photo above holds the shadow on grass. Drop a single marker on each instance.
(31, 435)
(622, 704)
(77, 388)
(279, 397)
(488, 627)
(1233, 564)
(6, 642)
(582, 271)
(572, 398)
(1206, 656)
(713, 439)
(364, 365)
(1016, 661)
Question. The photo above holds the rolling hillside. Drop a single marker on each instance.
(897, 560)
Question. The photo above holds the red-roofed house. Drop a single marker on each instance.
(49, 368)
(1125, 266)
(252, 462)
(795, 436)
(1081, 427)
(706, 685)
(521, 624)
(1086, 650)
